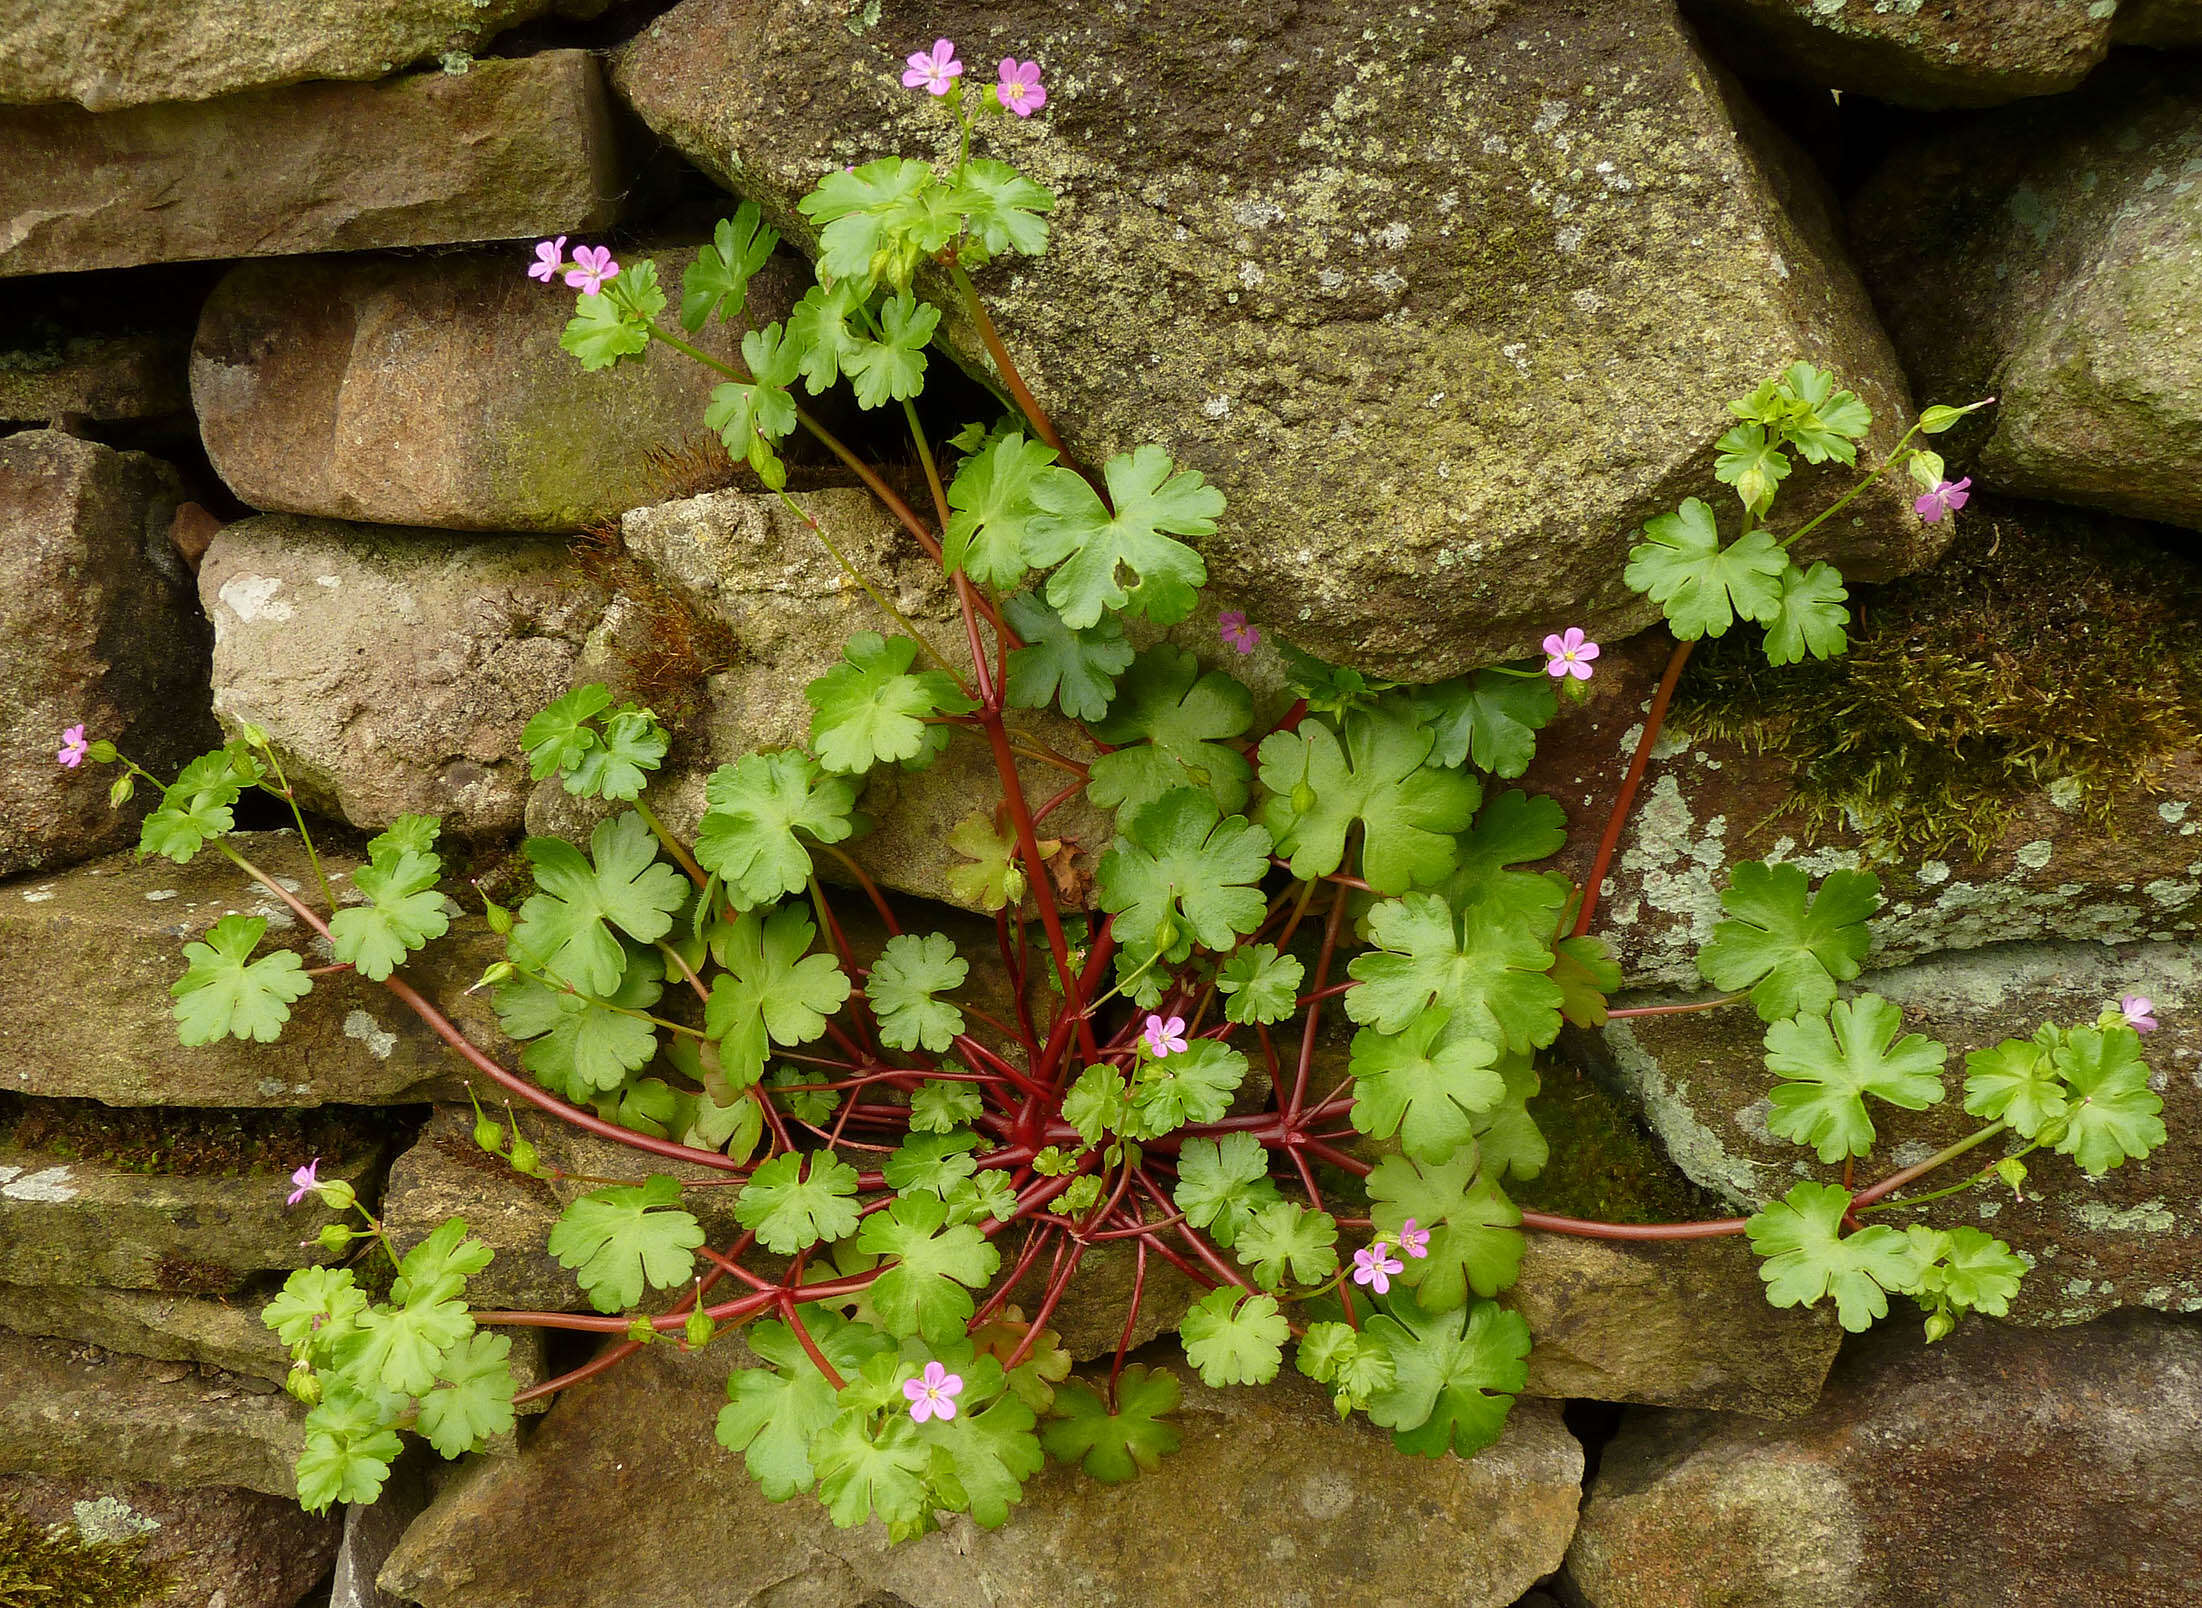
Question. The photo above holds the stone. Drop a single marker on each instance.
(508, 150)
(219, 1548)
(107, 55)
(1410, 241)
(1997, 1467)
(2166, 24)
(224, 1333)
(2125, 1239)
(2050, 256)
(1270, 1493)
(105, 378)
(371, 1531)
(97, 947)
(97, 627)
(1960, 53)
(446, 1175)
(79, 1412)
(393, 670)
(433, 391)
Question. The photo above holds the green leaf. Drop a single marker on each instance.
(633, 745)
(349, 1449)
(863, 1473)
(407, 912)
(773, 990)
(1194, 1085)
(794, 1201)
(892, 368)
(1512, 827)
(316, 1307)
(880, 220)
(1805, 1255)
(1408, 810)
(819, 329)
(1454, 1375)
(1488, 719)
(981, 1196)
(1287, 1242)
(1507, 1136)
(1423, 1086)
(1172, 726)
(2018, 1082)
(993, 850)
(560, 736)
(223, 995)
(1075, 669)
(750, 416)
(1329, 689)
(1259, 984)
(924, 1292)
(1704, 587)
(1096, 1105)
(1833, 1062)
(1965, 1269)
(1001, 207)
(400, 1348)
(933, 1162)
(983, 1455)
(1119, 1446)
(601, 332)
(1475, 1235)
(1154, 501)
(566, 929)
(992, 499)
(195, 807)
(580, 1048)
(773, 1413)
(1185, 874)
(1490, 980)
(910, 970)
(1223, 1184)
(1806, 410)
(1810, 617)
(438, 1267)
(1752, 463)
(804, 1105)
(939, 1105)
(1357, 1363)
(2114, 1114)
(1788, 949)
(718, 280)
(408, 834)
(755, 808)
(614, 1240)
(1586, 971)
(473, 1399)
(1235, 1338)
(872, 707)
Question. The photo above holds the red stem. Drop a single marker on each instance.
(1629, 783)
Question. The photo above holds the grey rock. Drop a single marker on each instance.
(101, 377)
(509, 150)
(223, 1333)
(1997, 1467)
(1410, 242)
(372, 1530)
(446, 1175)
(98, 627)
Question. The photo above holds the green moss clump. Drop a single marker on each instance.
(2048, 649)
(166, 1139)
(1603, 1165)
(56, 1568)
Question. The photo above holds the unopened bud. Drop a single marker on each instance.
(303, 1383)
(2013, 1172)
(498, 917)
(640, 1332)
(1939, 1325)
(524, 1158)
(497, 971)
(102, 753)
(119, 794)
(700, 1327)
(335, 1236)
(336, 1194)
(1013, 883)
(256, 735)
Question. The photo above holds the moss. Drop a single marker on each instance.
(57, 1568)
(675, 651)
(166, 1139)
(1603, 1165)
(2047, 648)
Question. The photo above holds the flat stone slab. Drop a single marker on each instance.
(224, 1333)
(101, 377)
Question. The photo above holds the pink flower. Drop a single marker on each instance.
(592, 266)
(1946, 498)
(2139, 1011)
(933, 1394)
(550, 256)
(936, 70)
(1371, 1266)
(1232, 626)
(1164, 1037)
(306, 1181)
(73, 747)
(1569, 655)
(1022, 93)
(1414, 1241)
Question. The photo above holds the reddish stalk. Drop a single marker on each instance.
(1611, 839)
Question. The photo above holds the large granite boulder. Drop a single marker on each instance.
(2052, 256)
(433, 391)
(1272, 1499)
(1994, 1468)
(98, 628)
(508, 150)
(1377, 273)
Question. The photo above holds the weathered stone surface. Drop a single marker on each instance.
(102, 377)
(1996, 1467)
(1959, 53)
(1271, 1493)
(2051, 256)
(445, 1175)
(1410, 241)
(223, 1333)
(2127, 1239)
(78, 1412)
(1683, 1323)
(98, 627)
(110, 54)
(393, 670)
(98, 947)
(372, 1530)
(2166, 24)
(507, 150)
(219, 1548)
(433, 391)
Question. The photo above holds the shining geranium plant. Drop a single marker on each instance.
(1275, 1053)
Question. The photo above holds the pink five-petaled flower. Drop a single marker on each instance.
(933, 1394)
(1569, 654)
(550, 256)
(307, 1181)
(1947, 497)
(1232, 627)
(1164, 1037)
(1373, 1267)
(1020, 88)
(1414, 1241)
(592, 266)
(2139, 1011)
(73, 747)
(937, 70)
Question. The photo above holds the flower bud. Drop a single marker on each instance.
(255, 735)
(119, 794)
(2013, 1172)
(487, 1134)
(1939, 1325)
(700, 1327)
(640, 1331)
(335, 1236)
(102, 753)
(523, 1157)
(497, 971)
(303, 1383)
(336, 1194)
(1013, 882)
(498, 917)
